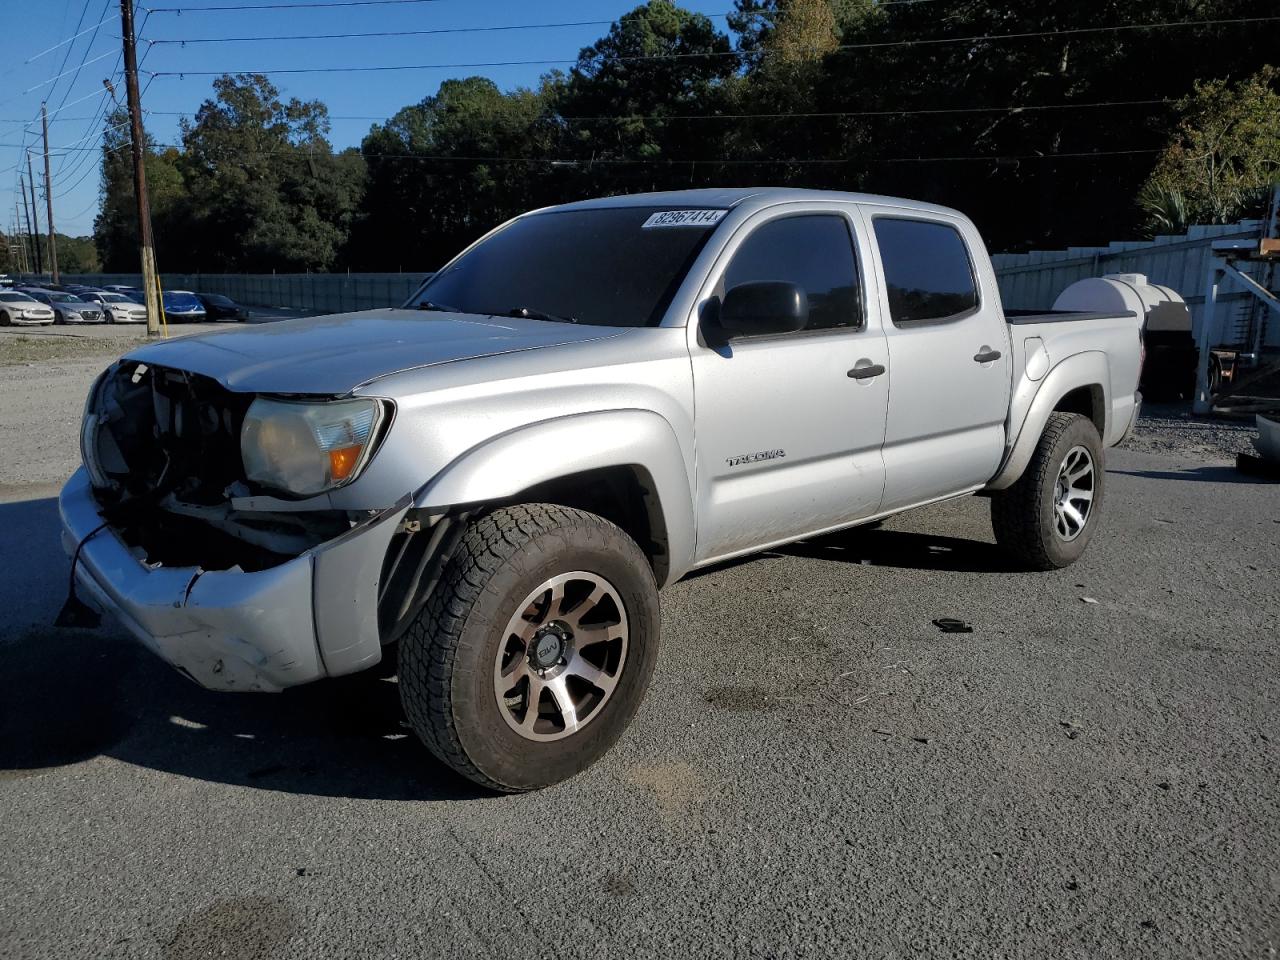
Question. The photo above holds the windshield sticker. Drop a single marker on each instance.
(684, 218)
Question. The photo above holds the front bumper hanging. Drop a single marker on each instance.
(310, 617)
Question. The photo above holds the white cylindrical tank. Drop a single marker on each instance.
(1170, 368)
(1162, 309)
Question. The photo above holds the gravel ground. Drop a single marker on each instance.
(817, 771)
(1172, 428)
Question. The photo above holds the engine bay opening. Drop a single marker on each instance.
(163, 450)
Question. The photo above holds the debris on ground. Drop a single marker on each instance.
(1070, 729)
(951, 625)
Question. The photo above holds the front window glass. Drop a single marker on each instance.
(616, 267)
(815, 252)
(64, 298)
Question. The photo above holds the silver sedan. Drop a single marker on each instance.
(18, 309)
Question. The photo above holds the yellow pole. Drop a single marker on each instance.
(164, 321)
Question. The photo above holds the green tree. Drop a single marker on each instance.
(1223, 157)
(264, 190)
(445, 170)
(624, 98)
(115, 229)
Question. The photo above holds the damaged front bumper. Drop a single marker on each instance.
(309, 617)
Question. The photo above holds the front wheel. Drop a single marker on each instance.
(535, 649)
(1047, 518)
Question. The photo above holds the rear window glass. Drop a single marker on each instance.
(926, 268)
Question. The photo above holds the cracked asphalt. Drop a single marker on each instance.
(818, 771)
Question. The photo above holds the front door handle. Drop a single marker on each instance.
(986, 356)
(866, 372)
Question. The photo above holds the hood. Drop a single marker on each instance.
(335, 354)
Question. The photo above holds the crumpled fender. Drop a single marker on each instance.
(1080, 370)
(503, 466)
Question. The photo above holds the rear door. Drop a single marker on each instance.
(788, 443)
(948, 352)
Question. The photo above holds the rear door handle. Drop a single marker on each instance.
(986, 356)
(867, 372)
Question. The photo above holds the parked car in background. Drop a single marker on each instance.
(134, 293)
(19, 309)
(183, 305)
(218, 307)
(67, 307)
(79, 289)
(118, 307)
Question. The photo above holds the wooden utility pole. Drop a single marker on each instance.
(146, 249)
(29, 237)
(48, 198)
(35, 216)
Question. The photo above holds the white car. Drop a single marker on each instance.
(117, 307)
(18, 309)
(68, 308)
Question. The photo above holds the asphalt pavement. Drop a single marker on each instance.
(817, 771)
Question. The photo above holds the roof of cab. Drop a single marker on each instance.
(715, 198)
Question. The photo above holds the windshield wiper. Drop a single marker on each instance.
(528, 314)
(442, 307)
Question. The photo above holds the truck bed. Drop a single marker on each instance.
(1061, 316)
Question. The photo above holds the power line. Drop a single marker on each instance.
(392, 33)
(815, 115)
(701, 162)
(83, 63)
(374, 3)
(382, 68)
(71, 39)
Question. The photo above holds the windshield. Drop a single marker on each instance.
(64, 298)
(609, 266)
(112, 298)
(16, 298)
(216, 300)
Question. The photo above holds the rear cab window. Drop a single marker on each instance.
(928, 272)
(815, 252)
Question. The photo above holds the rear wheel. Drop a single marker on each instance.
(535, 649)
(1047, 518)
(4, 319)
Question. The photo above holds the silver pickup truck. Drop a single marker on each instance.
(583, 406)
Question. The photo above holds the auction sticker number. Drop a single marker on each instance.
(684, 218)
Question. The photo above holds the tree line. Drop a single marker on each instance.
(1038, 119)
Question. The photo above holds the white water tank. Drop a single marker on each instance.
(1169, 371)
(1163, 310)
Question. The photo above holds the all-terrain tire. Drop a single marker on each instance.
(1023, 516)
(448, 655)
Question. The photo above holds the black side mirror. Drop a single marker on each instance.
(752, 309)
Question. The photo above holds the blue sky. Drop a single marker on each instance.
(358, 95)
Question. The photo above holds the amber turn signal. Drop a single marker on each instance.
(343, 460)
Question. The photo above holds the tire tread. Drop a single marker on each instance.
(427, 658)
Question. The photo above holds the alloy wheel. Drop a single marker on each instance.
(561, 656)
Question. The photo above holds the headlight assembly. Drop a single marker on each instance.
(305, 448)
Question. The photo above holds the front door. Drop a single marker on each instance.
(789, 426)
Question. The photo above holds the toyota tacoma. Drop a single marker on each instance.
(585, 405)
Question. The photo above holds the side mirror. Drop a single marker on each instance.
(752, 309)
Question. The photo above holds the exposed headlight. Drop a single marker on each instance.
(305, 448)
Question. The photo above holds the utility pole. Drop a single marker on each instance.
(146, 248)
(49, 200)
(35, 216)
(29, 241)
